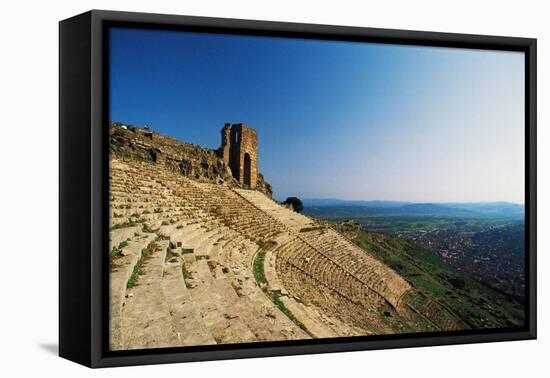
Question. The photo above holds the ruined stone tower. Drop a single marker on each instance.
(239, 151)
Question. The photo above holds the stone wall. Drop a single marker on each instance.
(196, 162)
(239, 150)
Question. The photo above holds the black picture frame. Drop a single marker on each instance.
(83, 182)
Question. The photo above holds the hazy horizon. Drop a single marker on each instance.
(336, 119)
(403, 201)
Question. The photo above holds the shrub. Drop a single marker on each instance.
(296, 203)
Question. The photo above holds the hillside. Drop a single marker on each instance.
(195, 259)
(476, 304)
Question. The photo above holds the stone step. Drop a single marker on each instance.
(121, 270)
(186, 317)
(122, 235)
(213, 302)
(146, 318)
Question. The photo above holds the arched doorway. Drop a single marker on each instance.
(246, 170)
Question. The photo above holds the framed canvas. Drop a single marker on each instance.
(235, 188)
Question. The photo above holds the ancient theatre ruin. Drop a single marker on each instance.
(201, 254)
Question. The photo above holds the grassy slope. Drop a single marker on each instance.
(477, 305)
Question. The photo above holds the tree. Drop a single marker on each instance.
(296, 203)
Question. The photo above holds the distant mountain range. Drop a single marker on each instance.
(410, 208)
(338, 202)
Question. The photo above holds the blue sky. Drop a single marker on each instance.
(336, 119)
